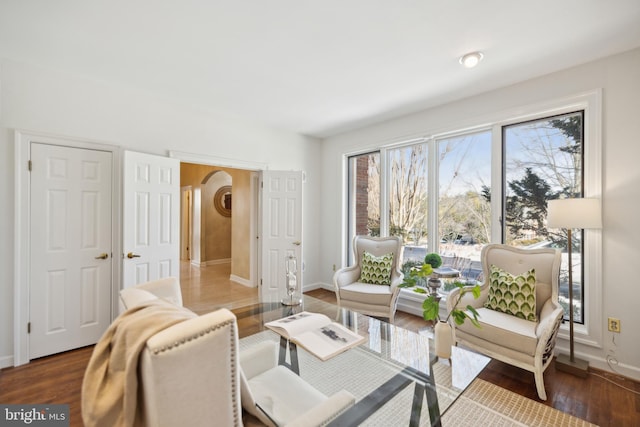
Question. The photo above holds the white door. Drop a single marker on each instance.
(281, 231)
(151, 218)
(71, 237)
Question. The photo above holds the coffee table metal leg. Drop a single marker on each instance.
(372, 402)
(432, 401)
(286, 345)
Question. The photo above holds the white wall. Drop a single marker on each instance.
(47, 101)
(618, 78)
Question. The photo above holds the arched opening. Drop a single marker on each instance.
(220, 218)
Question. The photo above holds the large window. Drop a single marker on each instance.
(543, 160)
(453, 193)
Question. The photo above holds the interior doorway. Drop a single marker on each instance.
(219, 219)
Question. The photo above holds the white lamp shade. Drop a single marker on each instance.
(574, 213)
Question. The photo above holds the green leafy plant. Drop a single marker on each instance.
(431, 307)
(433, 259)
(408, 265)
(417, 275)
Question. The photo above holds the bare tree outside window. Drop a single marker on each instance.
(464, 202)
(408, 194)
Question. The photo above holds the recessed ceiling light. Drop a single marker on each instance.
(472, 59)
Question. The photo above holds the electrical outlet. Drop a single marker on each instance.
(614, 324)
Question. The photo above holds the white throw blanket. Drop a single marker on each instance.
(110, 385)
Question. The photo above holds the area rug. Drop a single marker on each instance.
(485, 404)
(481, 404)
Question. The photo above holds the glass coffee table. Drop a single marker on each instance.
(394, 375)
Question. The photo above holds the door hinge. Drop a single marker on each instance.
(29, 164)
(260, 282)
(29, 327)
(261, 184)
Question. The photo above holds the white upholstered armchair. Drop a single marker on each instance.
(526, 344)
(192, 373)
(357, 292)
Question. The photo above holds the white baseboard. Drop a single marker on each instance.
(6, 362)
(196, 263)
(317, 285)
(217, 261)
(623, 369)
(241, 280)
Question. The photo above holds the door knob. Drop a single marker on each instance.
(297, 243)
(103, 256)
(132, 255)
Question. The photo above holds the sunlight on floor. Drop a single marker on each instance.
(205, 289)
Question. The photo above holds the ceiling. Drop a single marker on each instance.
(313, 67)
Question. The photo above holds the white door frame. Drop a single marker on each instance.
(204, 159)
(186, 217)
(22, 145)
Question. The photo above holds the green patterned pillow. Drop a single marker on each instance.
(376, 270)
(515, 295)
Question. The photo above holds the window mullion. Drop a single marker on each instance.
(497, 186)
(385, 174)
(432, 195)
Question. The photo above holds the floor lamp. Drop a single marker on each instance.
(573, 214)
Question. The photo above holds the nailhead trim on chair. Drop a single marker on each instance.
(234, 386)
(232, 335)
(192, 337)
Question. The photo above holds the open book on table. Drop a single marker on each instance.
(316, 333)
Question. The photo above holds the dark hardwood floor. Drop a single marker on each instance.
(58, 379)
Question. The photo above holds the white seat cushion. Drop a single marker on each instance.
(504, 330)
(366, 293)
(283, 395)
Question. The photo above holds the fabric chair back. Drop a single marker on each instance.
(378, 246)
(189, 373)
(545, 261)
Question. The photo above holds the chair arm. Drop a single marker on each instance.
(259, 358)
(548, 316)
(547, 331)
(346, 276)
(325, 412)
(397, 279)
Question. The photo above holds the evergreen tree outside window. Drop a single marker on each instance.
(543, 160)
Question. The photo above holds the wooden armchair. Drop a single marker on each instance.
(527, 344)
(355, 292)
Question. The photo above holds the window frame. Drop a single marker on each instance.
(590, 333)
